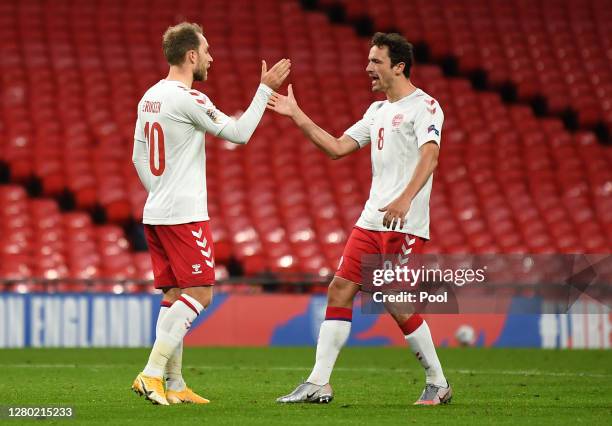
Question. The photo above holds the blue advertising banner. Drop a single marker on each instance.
(128, 320)
(77, 320)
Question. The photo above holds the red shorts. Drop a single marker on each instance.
(373, 244)
(182, 255)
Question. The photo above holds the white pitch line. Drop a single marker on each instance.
(349, 369)
(45, 365)
(528, 373)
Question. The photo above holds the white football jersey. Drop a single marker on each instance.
(396, 131)
(172, 120)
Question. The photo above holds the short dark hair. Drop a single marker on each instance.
(180, 39)
(400, 50)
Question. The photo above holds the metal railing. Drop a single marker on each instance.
(292, 282)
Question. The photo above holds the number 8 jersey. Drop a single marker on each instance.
(396, 131)
(169, 136)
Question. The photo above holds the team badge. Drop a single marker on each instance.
(397, 120)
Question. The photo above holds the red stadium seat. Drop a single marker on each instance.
(507, 181)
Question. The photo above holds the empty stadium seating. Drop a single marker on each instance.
(73, 73)
(39, 241)
(559, 49)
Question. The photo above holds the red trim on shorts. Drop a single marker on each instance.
(338, 314)
(166, 304)
(411, 324)
(189, 305)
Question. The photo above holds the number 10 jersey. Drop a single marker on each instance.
(169, 135)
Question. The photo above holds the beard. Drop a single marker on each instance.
(199, 75)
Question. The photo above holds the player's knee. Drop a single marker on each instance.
(400, 311)
(204, 295)
(341, 292)
(399, 317)
(171, 294)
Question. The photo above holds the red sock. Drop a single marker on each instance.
(339, 314)
(411, 324)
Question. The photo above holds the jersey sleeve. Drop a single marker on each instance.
(428, 123)
(140, 156)
(360, 131)
(139, 132)
(203, 113)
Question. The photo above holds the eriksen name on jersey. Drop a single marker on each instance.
(153, 107)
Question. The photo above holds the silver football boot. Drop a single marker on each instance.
(435, 395)
(309, 392)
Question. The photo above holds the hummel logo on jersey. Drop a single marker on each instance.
(196, 269)
(431, 108)
(200, 98)
(432, 128)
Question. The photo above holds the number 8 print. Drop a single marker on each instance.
(381, 138)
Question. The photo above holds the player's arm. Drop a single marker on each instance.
(210, 119)
(140, 157)
(334, 147)
(427, 129)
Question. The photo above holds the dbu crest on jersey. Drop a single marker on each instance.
(396, 122)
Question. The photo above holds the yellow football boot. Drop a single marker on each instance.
(186, 396)
(152, 388)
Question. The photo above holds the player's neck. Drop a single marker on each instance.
(400, 90)
(176, 74)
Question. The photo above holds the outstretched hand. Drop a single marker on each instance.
(284, 105)
(274, 77)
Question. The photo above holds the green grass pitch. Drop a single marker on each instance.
(372, 386)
